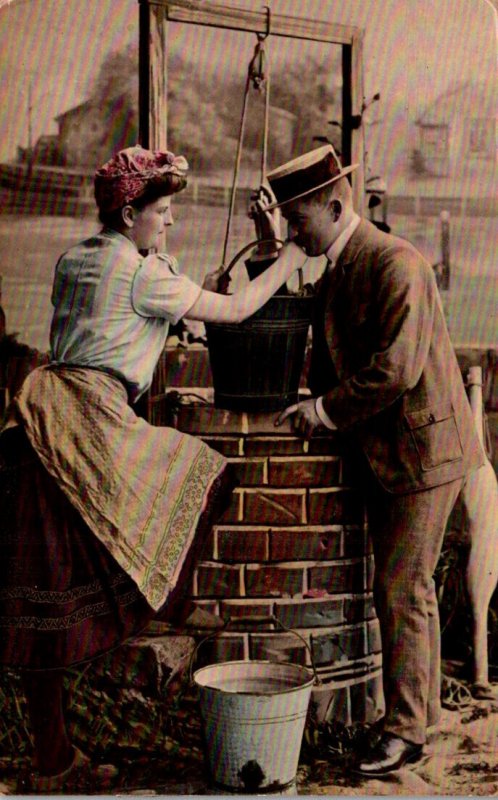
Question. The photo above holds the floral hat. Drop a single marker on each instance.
(121, 179)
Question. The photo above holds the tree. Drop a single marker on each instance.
(204, 113)
(115, 94)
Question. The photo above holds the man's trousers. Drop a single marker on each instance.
(407, 533)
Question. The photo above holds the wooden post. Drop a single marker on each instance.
(352, 123)
(445, 249)
(153, 82)
(152, 104)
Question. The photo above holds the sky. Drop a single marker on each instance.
(413, 50)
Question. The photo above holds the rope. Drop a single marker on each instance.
(256, 75)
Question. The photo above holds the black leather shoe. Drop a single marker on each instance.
(389, 754)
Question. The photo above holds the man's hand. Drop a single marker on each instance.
(266, 223)
(305, 419)
(216, 281)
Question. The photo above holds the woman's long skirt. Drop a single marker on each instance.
(64, 598)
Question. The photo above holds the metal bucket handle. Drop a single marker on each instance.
(256, 619)
(224, 280)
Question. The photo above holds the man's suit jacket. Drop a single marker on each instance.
(393, 377)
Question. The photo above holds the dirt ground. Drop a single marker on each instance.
(459, 759)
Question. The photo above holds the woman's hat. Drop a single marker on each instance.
(124, 177)
(305, 174)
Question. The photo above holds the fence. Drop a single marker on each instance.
(63, 194)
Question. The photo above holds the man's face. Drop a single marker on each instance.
(311, 226)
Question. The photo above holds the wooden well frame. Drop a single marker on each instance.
(154, 16)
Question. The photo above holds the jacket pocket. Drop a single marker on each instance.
(435, 435)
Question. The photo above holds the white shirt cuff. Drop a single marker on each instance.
(323, 416)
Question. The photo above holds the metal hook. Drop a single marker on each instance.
(263, 36)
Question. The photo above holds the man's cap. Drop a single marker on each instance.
(305, 174)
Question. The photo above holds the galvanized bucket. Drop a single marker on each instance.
(254, 714)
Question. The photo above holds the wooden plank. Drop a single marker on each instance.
(223, 16)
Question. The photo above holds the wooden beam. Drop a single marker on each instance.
(241, 19)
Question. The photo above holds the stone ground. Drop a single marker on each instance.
(460, 759)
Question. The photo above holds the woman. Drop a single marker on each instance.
(103, 512)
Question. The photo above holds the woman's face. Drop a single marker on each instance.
(149, 223)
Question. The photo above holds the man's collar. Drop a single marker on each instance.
(336, 248)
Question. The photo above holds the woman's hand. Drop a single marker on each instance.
(216, 281)
(215, 307)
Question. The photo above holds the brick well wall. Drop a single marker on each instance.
(293, 544)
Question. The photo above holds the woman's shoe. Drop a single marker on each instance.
(82, 777)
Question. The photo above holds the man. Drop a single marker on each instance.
(384, 370)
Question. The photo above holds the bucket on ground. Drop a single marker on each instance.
(253, 713)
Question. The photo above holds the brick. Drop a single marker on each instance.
(200, 616)
(274, 581)
(279, 647)
(208, 547)
(341, 577)
(246, 608)
(234, 511)
(358, 609)
(242, 544)
(327, 444)
(273, 445)
(145, 663)
(250, 471)
(274, 506)
(331, 506)
(376, 706)
(160, 413)
(361, 710)
(356, 542)
(210, 606)
(322, 543)
(339, 707)
(208, 420)
(304, 471)
(226, 445)
(310, 613)
(370, 572)
(214, 580)
(343, 645)
(264, 422)
(225, 647)
(373, 636)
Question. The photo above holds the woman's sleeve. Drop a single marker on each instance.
(160, 291)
